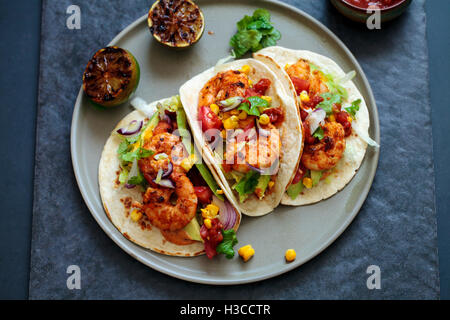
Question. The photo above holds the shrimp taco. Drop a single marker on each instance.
(249, 128)
(156, 191)
(335, 121)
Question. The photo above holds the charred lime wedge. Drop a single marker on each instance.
(176, 23)
(111, 76)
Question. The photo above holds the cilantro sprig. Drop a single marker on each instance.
(254, 33)
(227, 244)
(253, 105)
(328, 100)
(354, 108)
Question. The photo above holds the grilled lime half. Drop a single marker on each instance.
(176, 23)
(111, 76)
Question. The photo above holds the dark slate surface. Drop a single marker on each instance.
(395, 229)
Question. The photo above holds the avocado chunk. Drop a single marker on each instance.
(295, 189)
(263, 182)
(193, 230)
(315, 177)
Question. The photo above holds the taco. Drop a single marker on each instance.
(157, 193)
(249, 128)
(335, 121)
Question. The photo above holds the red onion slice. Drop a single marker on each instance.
(168, 172)
(133, 128)
(165, 183)
(231, 103)
(227, 213)
(316, 118)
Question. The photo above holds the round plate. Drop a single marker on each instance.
(309, 229)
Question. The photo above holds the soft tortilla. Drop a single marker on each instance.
(276, 58)
(111, 193)
(290, 133)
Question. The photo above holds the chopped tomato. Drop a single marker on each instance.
(303, 114)
(276, 115)
(204, 194)
(314, 102)
(226, 167)
(209, 119)
(300, 84)
(309, 139)
(212, 237)
(300, 173)
(342, 118)
(251, 93)
(262, 86)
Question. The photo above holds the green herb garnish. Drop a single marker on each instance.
(319, 134)
(328, 100)
(253, 108)
(247, 184)
(254, 33)
(227, 244)
(353, 108)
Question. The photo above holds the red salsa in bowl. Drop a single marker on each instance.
(381, 4)
(357, 10)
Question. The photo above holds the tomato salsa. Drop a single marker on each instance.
(382, 4)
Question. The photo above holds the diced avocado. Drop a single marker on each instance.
(193, 230)
(261, 187)
(295, 189)
(315, 177)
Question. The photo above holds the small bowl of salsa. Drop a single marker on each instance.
(357, 10)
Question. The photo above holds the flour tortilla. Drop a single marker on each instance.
(277, 58)
(112, 192)
(290, 132)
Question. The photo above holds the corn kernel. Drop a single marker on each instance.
(207, 223)
(231, 123)
(219, 191)
(246, 69)
(350, 119)
(287, 65)
(304, 96)
(264, 119)
(187, 163)
(136, 215)
(210, 212)
(307, 182)
(215, 108)
(271, 184)
(250, 83)
(246, 252)
(267, 98)
(290, 255)
(332, 118)
(242, 115)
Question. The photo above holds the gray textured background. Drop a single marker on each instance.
(395, 229)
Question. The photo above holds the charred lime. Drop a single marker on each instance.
(176, 23)
(111, 76)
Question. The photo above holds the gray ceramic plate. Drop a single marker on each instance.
(309, 229)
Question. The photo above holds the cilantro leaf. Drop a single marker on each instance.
(137, 180)
(227, 244)
(254, 33)
(319, 133)
(353, 108)
(123, 147)
(255, 103)
(138, 154)
(247, 184)
(328, 100)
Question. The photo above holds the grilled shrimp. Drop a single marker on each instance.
(326, 153)
(301, 69)
(223, 86)
(262, 152)
(160, 210)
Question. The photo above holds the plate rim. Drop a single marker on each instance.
(124, 244)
